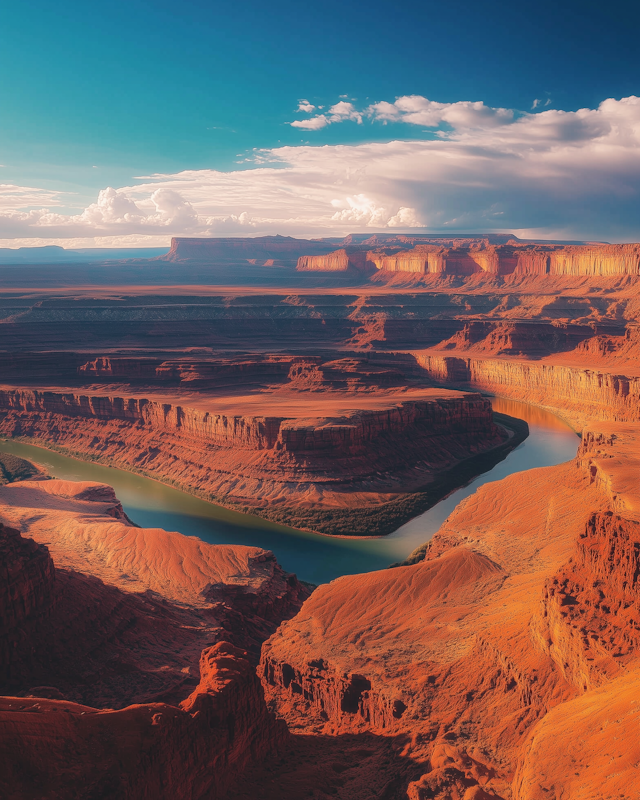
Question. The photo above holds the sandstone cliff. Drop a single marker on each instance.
(371, 453)
(337, 261)
(575, 392)
(540, 259)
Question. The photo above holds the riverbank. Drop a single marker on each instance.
(316, 559)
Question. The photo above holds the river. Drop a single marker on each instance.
(313, 558)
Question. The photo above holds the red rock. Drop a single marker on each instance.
(270, 452)
(54, 748)
(126, 612)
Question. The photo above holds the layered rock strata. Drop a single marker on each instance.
(575, 392)
(338, 261)
(525, 599)
(468, 258)
(303, 470)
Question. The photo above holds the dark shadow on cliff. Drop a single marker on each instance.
(349, 767)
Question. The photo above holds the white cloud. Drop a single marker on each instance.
(361, 210)
(305, 107)
(15, 197)
(313, 124)
(340, 112)
(560, 174)
(343, 111)
(417, 110)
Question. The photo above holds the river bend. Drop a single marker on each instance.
(313, 558)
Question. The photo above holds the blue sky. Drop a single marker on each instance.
(95, 96)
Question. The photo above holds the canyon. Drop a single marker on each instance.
(500, 659)
(361, 468)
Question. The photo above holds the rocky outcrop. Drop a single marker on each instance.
(338, 261)
(128, 610)
(590, 614)
(197, 749)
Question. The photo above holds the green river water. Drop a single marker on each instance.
(313, 558)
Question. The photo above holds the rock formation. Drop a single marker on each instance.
(500, 660)
(526, 598)
(195, 749)
(355, 469)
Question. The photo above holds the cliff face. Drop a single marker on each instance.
(27, 580)
(588, 260)
(338, 261)
(154, 750)
(360, 458)
(581, 394)
(590, 610)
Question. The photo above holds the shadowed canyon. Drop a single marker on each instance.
(344, 388)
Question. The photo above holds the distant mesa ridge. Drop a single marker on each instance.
(473, 257)
(456, 254)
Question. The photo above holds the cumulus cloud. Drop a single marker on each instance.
(418, 110)
(555, 173)
(340, 112)
(313, 124)
(305, 107)
(362, 210)
(413, 110)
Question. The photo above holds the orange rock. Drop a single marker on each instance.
(53, 748)
(269, 452)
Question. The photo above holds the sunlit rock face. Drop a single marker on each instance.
(501, 659)
(367, 450)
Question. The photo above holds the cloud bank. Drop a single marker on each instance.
(545, 173)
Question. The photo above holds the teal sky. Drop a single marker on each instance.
(94, 95)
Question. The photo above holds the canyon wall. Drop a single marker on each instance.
(27, 579)
(337, 261)
(347, 435)
(578, 393)
(307, 470)
(523, 260)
